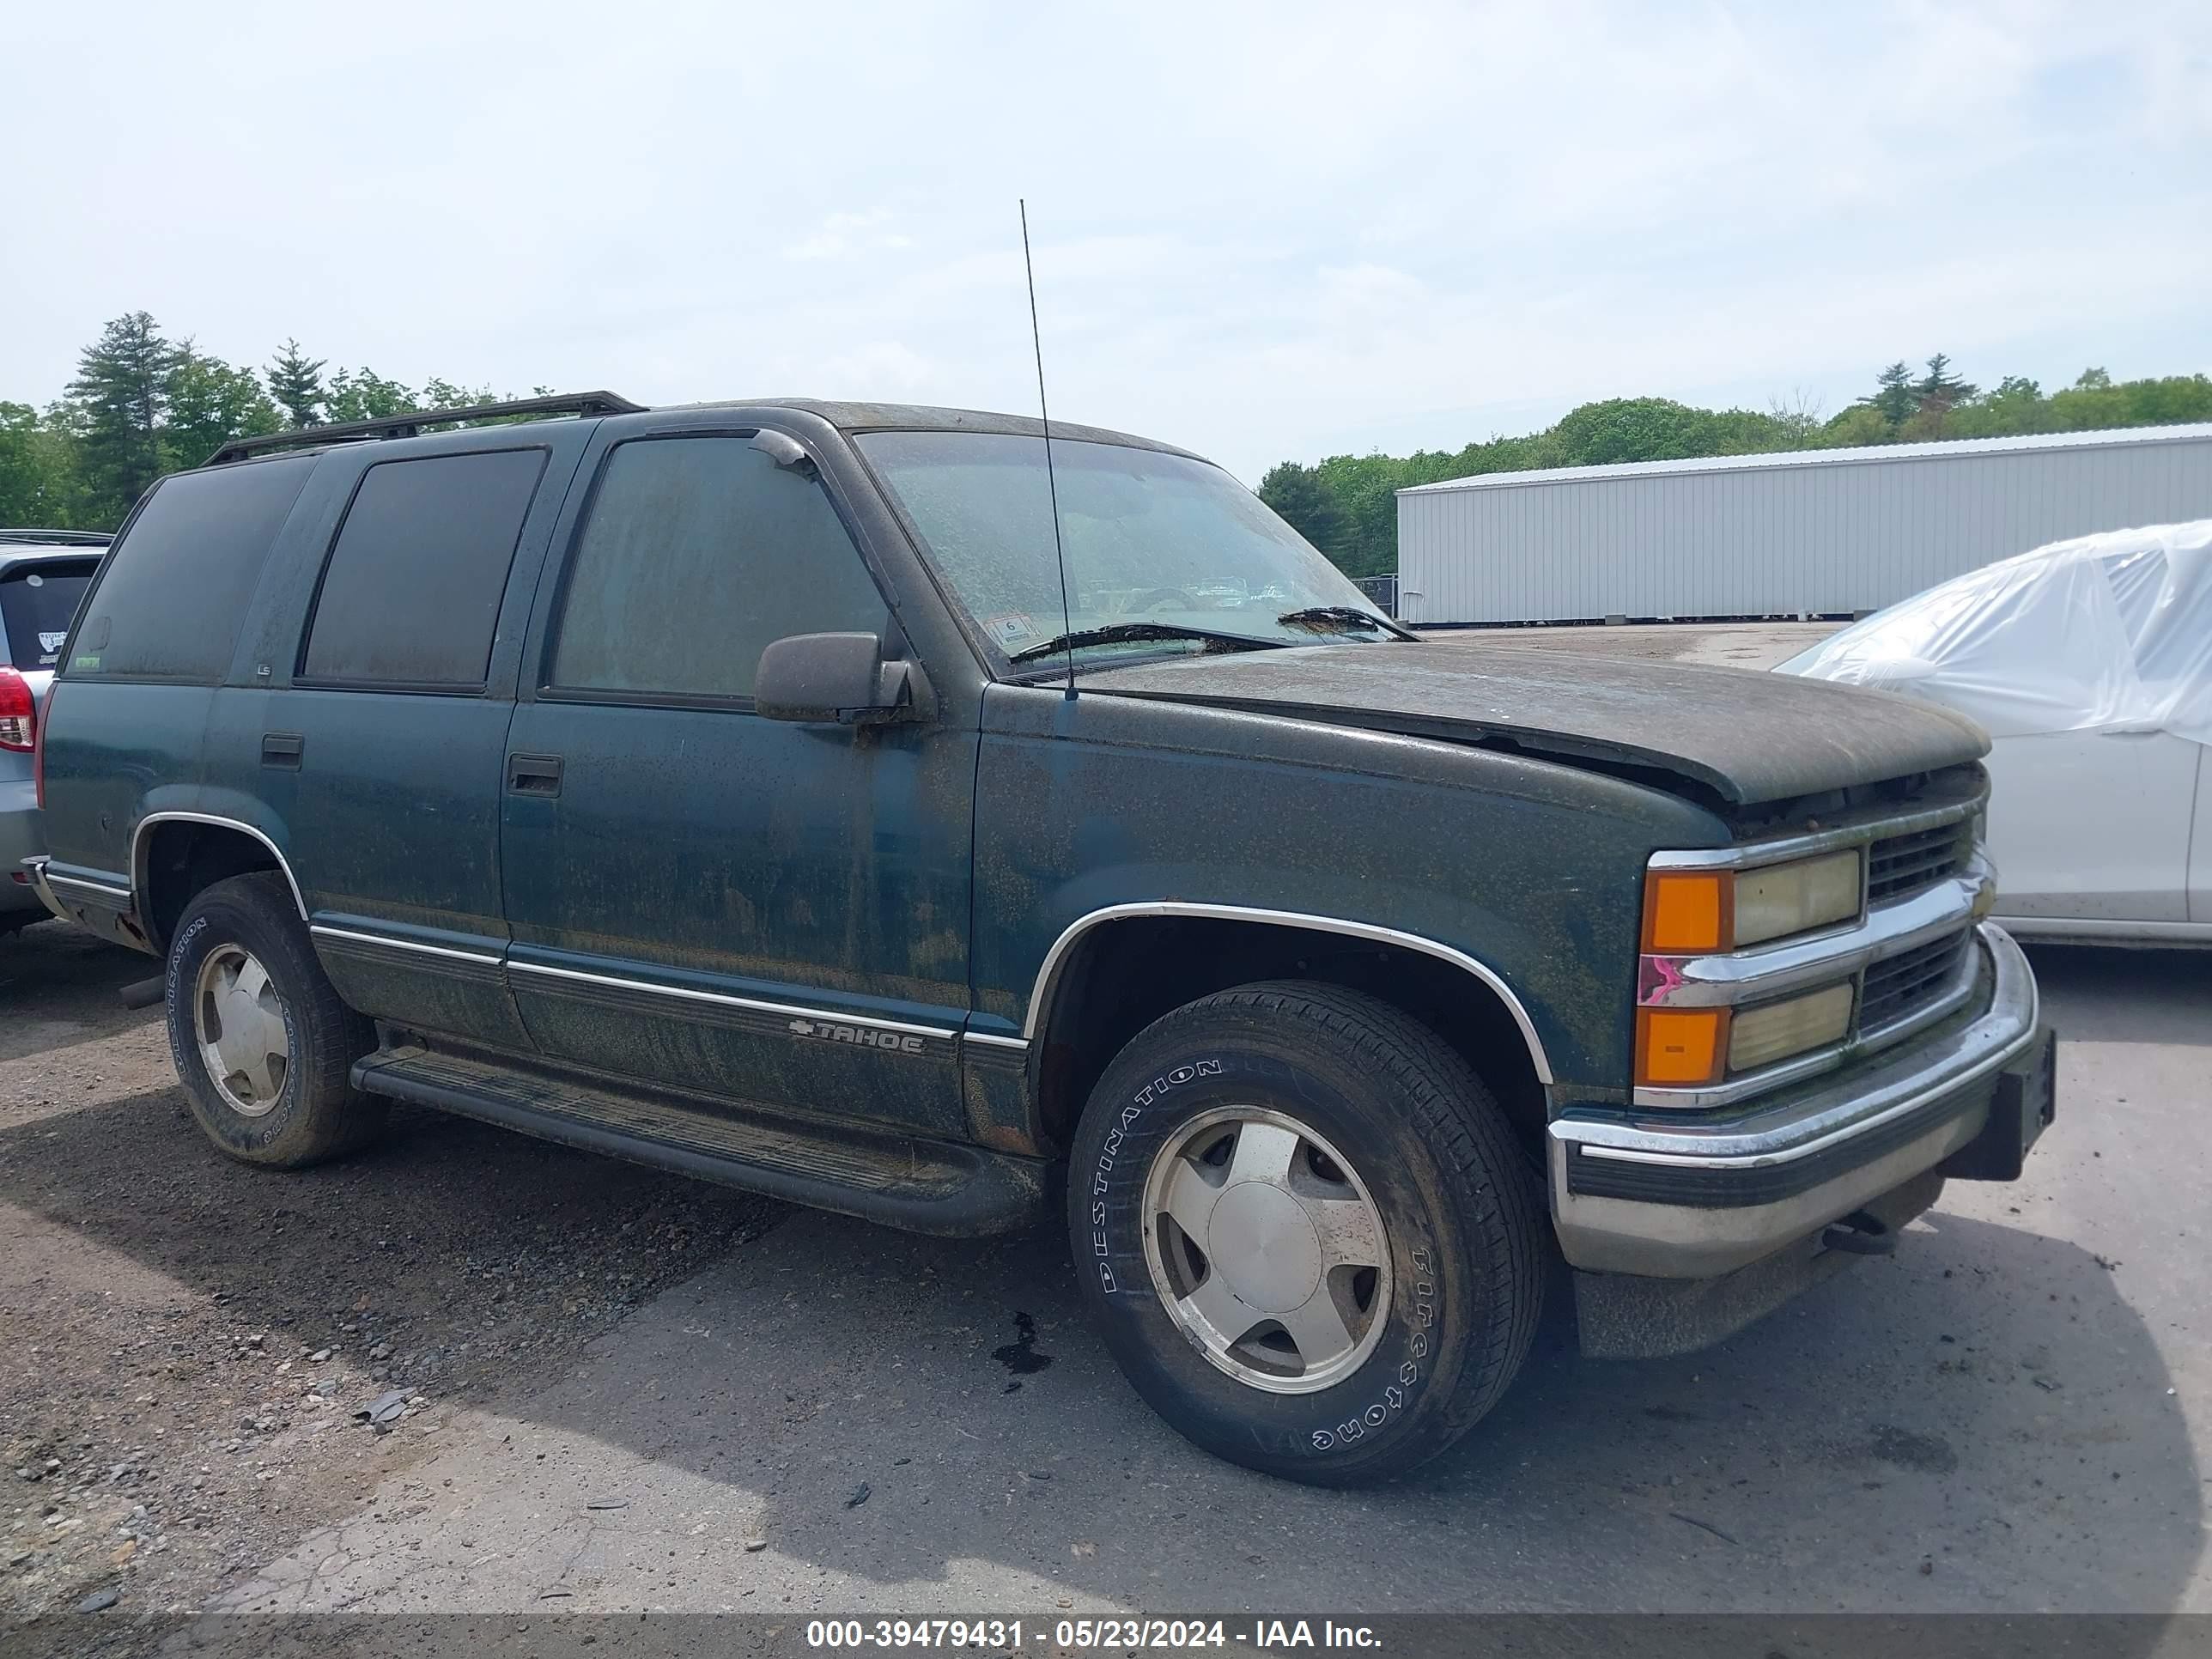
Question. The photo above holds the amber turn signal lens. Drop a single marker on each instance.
(1687, 910)
(1676, 1047)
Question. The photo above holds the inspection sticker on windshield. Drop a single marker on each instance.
(1011, 629)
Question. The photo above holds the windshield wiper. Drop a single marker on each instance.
(1143, 630)
(1318, 617)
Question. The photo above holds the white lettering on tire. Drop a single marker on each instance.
(1396, 1394)
(1100, 1248)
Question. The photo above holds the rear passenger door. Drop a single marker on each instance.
(772, 912)
(383, 753)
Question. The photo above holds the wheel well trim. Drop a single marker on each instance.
(1056, 958)
(138, 871)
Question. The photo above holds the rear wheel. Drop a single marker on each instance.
(1305, 1232)
(262, 1044)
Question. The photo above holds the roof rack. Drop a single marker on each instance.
(408, 424)
(54, 537)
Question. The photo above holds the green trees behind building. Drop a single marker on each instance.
(1347, 505)
(142, 405)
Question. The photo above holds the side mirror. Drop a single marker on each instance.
(833, 676)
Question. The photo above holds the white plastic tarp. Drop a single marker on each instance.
(2107, 632)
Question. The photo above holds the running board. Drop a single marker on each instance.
(905, 1182)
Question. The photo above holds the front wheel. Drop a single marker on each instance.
(263, 1045)
(1305, 1232)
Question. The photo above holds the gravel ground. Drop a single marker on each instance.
(192, 1342)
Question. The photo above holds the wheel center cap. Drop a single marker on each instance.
(1260, 1241)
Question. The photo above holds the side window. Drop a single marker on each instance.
(412, 590)
(178, 583)
(698, 554)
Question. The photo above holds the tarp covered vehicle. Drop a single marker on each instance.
(2090, 663)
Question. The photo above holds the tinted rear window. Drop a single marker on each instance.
(412, 590)
(37, 602)
(170, 604)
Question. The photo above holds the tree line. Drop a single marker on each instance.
(142, 405)
(1347, 505)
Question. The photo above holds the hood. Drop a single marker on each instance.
(1747, 737)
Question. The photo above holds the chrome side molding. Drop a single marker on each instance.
(1056, 958)
(138, 849)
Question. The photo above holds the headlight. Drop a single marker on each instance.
(1696, 1048)
(1695, 912)
(1759, 1037)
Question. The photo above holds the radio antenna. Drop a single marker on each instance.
(1044, 414)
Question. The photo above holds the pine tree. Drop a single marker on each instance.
(1894, 401)
(1940, 390)
(295, 381)
(121, 390)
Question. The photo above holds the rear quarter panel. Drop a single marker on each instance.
(115, 751)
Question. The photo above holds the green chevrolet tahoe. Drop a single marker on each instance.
(837, 801)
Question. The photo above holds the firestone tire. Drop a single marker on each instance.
(1424, 1145)
(303, 1107)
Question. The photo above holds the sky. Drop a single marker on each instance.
(1266, 231)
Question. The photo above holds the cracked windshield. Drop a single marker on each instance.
(1164, 554)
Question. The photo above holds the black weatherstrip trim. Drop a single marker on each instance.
(1768, 1183)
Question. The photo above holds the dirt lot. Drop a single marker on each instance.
(190, 1340)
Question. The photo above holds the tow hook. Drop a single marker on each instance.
(1860, 1234)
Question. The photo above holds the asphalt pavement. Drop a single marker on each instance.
(2006, 1416)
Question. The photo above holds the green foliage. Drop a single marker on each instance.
(1347, 505)
(1893, 396)
(362, 394)
(142, 404)
(121, 396)
(1307, 506)
(295, 381)
(1860, 425)
(34, 485)
(210, 403)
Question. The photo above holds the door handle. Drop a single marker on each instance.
(533, 774)
(2128, 732)
(282, 749)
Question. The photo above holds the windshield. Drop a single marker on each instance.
(1150, 538)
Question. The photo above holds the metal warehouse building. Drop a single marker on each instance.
(1819, 532)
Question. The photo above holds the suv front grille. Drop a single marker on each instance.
(1904, 864)
(1898, 985)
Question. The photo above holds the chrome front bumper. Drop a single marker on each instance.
(1663, 1197)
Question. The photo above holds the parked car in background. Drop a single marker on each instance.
(746, 790)
(43, 576)
(2089, 661)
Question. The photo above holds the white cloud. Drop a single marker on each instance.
(1265, 230)
(842, 234)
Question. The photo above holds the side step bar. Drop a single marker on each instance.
(921, 1186)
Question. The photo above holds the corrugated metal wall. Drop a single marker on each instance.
(1819, 537)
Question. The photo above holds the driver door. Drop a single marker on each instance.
(771, 912)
